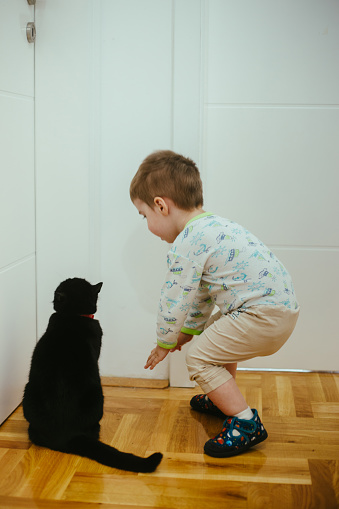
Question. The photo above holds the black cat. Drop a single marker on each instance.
(63, 399)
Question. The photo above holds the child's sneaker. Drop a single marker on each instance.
(237, 436)
(203, 404)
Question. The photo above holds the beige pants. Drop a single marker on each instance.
(236, 337)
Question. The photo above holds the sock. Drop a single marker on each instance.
(245, 414)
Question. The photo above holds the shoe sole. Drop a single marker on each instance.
(235, 452)
(217, 413)
(209, 412)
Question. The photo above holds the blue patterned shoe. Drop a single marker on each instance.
(202, 403)
(237, 436)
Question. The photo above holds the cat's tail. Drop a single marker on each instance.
(111, 457)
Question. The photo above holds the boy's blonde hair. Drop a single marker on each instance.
(167, 174)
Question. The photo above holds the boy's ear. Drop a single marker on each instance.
(161, 205)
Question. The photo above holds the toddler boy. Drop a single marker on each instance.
(213, 262)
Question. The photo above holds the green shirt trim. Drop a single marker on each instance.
(194, 332)
(166, 346)
(199, 216)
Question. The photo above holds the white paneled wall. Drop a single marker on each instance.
(271, 150)
(248, 90)
(188, 79)
(266, 52)
(17, 207)
(274, 169)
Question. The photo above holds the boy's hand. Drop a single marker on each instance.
(157, 355)
(182, 340)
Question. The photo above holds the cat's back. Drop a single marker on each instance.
(69, 345)
(68, 331)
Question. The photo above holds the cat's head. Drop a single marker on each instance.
(76, 297)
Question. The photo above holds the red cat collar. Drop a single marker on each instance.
(88, 316)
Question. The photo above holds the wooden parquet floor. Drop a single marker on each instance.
(297, 467)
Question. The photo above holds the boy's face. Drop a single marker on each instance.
(158, 221)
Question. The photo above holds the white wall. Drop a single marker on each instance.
(136, 75)
(248, 93)
(66, 157)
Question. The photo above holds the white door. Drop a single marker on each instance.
(17, 203)
(268, 146)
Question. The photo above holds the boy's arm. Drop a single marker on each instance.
(182, 340)
(177, 297)
(199, 313)
(179, 293)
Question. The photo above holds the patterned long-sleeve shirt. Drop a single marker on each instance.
(215, 261)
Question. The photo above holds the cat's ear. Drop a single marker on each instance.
(97, 287)
(59, 297)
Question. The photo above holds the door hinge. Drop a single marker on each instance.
(30, 32)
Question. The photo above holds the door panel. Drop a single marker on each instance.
(17, 203)
(17, 332)
(17, 182)
(274, 170)
(314, 343)
(16, 55)
(269, 144)
(273, 52)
